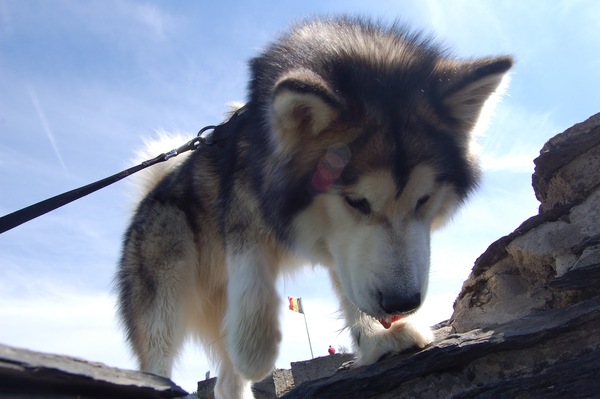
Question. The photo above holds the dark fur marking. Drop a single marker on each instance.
(307, 88)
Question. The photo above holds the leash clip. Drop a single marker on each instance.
(205, 139)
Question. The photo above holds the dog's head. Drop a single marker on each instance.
(375, 135)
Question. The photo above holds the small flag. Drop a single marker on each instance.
(296, 304)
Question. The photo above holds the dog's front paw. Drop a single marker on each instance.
(379, 342)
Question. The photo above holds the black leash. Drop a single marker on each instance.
(219, 133)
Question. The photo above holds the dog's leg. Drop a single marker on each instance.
(156, 268)
(157, 326)
(230, 384)
(371, 340)
(251, 321)
(161, 343)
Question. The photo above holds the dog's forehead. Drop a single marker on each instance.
(377, 183)
(378, 150)
(381, 190)
(381, 184)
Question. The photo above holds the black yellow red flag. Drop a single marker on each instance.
(296, 304)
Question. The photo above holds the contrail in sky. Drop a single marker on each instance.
(46, 127)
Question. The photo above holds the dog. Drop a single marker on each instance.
(355, 143)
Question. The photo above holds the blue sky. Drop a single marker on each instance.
(83, 82)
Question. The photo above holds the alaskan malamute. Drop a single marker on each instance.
(354, 143)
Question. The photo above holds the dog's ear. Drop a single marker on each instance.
(467, 85)
(303, 106)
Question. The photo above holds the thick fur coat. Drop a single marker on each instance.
(353, 145)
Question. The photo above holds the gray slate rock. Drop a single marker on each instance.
(550, 354)
(566, 170)
(29, 374)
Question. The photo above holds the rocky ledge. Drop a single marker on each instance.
(28, 374)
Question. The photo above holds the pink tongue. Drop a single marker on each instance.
(387, 322)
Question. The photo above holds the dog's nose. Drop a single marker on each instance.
(400, 303)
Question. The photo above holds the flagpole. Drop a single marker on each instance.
(308, 335)
(296, 306)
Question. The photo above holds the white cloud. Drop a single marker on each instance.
(517, 163)
(123, 21)
(470, 27)
(515, 137)
(59, 320)
(149, 17)
(46, 127)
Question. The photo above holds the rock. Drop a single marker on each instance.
(278, 383)
(532, 357)
(283, 380)
(536, 267)
(564, 172)
(206, 388)
(515, 278)
(28, 374)
(319, 367)
(526, 321)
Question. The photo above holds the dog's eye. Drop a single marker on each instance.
(360, 204)
(422, 201)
